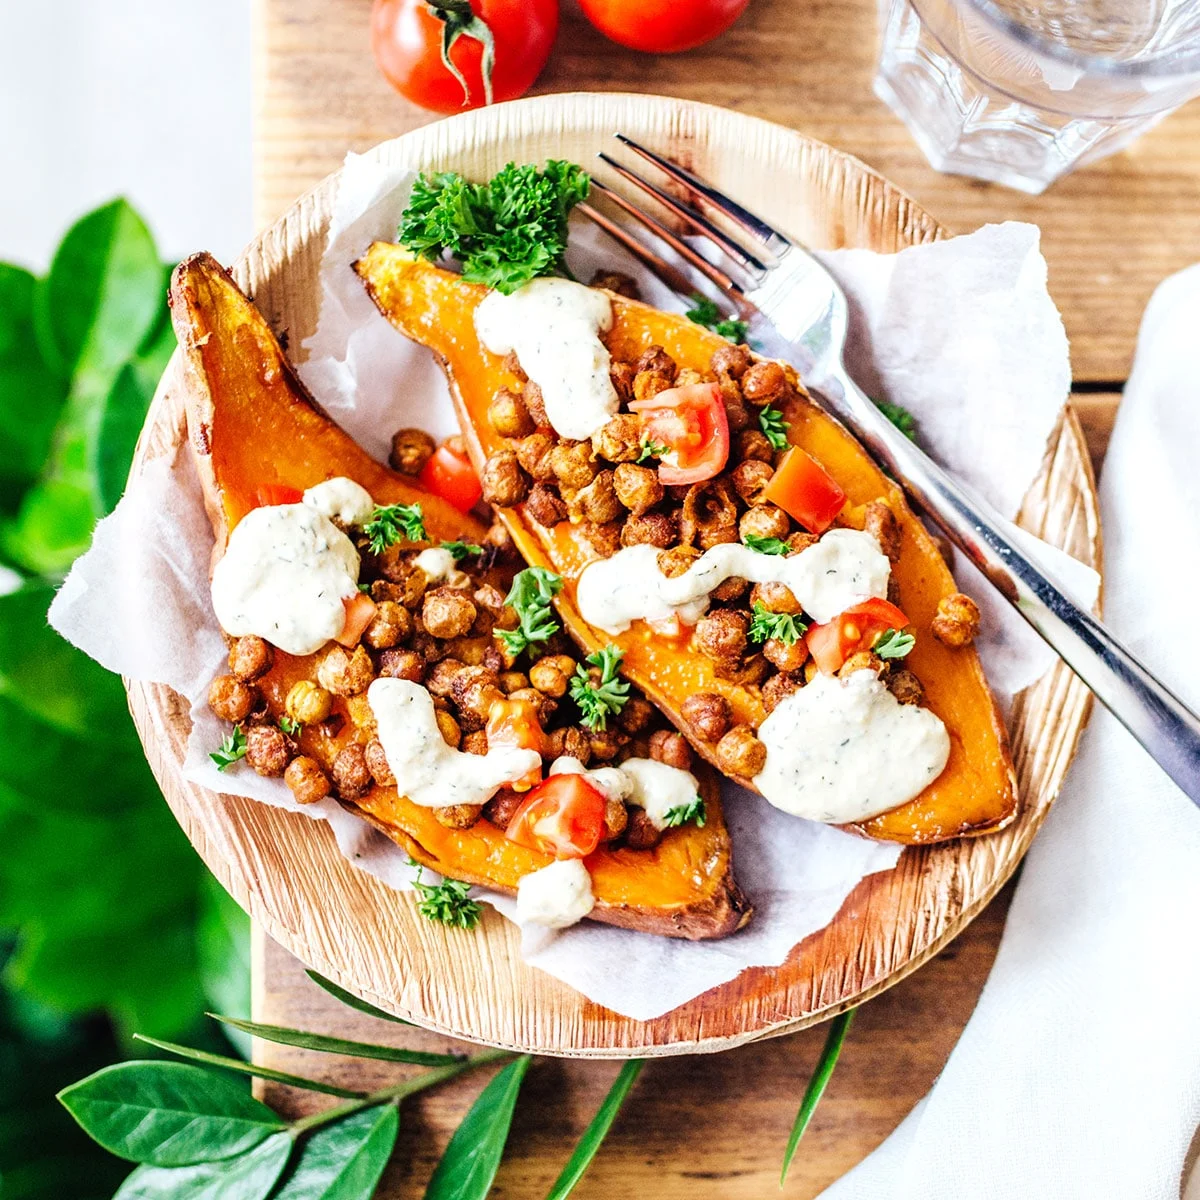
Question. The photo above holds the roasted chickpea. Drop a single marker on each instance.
(800, 541)
(476, 703)
(407, 582)
(786, 656)
(764, 383)
(728, 590)
(552, 674)
(475, 742)
(764, 520)
(503, 480)
(862, 660)
(351, 775)
(675, 561)
(752, 446)
(346, 674)
(957, 620)
(667, 746)
(750, 479)
(571, 742)
(616, 817)
(230, 698)
(636, 715)
(377, 763)
(621, 374)
(534, 402)
(573, 464)
(881, 523)
(640, 832)
(604, 538)
(393, 623)
(267, 750)
(447, 612)
(448, 728)
(737, 415)
(598, 501)
(411, 450)
(655, 358)
(458, 816)
(637, 488)
(533, 454)
(488, 596)
(779, 686)
(606, 743)
(707, 715)
(616, 281)
(745, 672)
(905, 686)
(733, 361)
(512, 364)
(250, 657)
(774, 597)
(402, 664)
(508, 415)
(739, 752)
(545, 505)
(619, 441)
(502, 807)
(709, 516)
(307, 703)
(652, 529)
(721, 635)
(306, 779)
(648, 384)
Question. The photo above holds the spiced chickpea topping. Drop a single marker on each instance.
(640, 831)
(957, 620)
(905, 686)
(721, 635)
(740, 752)
(570, 741)
(476, 703)
(512, 364)
(267, 750)
(731, 589)
(620, 440)
(598, 501)
(545, 505)
(616, 817)
(621, 374)
(533, 454)
(552, 674)
(440, 680)
(447, 612)
(308, 703)
(675, 561)
(351, 775)
(616, 281)
(606, 744)
(745, 672)
(508, 415)
(511, 681)
(800, 541)
(785, 656)
(752, 446)
(475, 742)
(881, 523)
(709, 516)
(733, 361)
(604, 538)
(648, 384)
(573, 464)
(764, 520)
(346, 674)
(750, 479)
(377, 763)
(230, 698)
(774, 597)
(778, 686)
(249, 657)
(504, 482)
(667, 746)
(411, 450)
(532, 395)
(393, 623)
(402, 664)
(636, 715)
(862, 660)
(764, 383)
(652, 528)
(502, 807)
(707, 715)
(306, 779)
(637, 488)
(737, 415)
(458, 816)
(448, 728)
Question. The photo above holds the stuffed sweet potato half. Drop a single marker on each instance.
(768, 586)
(375, 659)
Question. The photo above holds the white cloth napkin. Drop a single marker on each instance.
(1078, 1076)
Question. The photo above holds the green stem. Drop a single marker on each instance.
(397, 1091)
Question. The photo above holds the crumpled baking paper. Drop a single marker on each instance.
(963, 333)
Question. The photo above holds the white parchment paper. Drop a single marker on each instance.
(962, 333)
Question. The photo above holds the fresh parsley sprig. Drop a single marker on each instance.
(766, 625)
(390, 523)
(767, 545)
(232, 748)
(504, 232)
(290, 725)
(602, 698)
(446, 903)
(681, 814)
(529, 597)
(900, 417)
(771, 422)
(891, 643)
(705, 312)
(462, 550)
(650, 449)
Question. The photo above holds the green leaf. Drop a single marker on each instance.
(469, 1164)
(223, 954)
(816, 1085)
(900, 417)
(344, 1161)
(696, 810)
(767, 545)
(231, 750)
(766, 625)
(244, 1068)
(123, 414)
(891, 643)
(168, 1114)
(774, 427)
(597, 1131)
(447, 903)
(529, 597)
(352, 1001)
(392, 523)
(250, 1176)
(52, 528)
(333, 1045)
(604, 697)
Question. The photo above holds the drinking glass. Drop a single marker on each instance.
(1021, 92)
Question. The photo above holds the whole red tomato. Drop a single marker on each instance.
(662, 26)
(407, 38)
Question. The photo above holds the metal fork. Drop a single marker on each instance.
(797, 312)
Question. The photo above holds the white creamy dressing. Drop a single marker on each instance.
(342, 500)
(844, 750)
(841, 569)
(440, 566)
(553, 327)
(654, 786)
(555, 896)
(427, 770)
(285, 572)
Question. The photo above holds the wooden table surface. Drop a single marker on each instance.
(716, 1126)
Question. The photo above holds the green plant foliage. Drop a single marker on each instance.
(344, 1161)
(250, 1176)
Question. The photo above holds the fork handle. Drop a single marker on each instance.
(1166, 728)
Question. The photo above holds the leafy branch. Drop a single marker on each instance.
(600, 693)
(766, 625)
(529, 597)
(391, 523)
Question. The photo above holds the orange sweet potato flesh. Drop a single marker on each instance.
(976, 793)
(251, 422)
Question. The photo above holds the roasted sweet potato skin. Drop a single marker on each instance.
(976, 793)
(251, 424)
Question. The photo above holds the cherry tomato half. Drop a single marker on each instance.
(691, 423)
(452, 477)
(805, 491)
(515, 723)
(563, 816)
(856, 629)
(360, 612)
(268, 494)
(662, 26)
(406, 39)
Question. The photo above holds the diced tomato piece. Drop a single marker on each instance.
(515, 723)
(452, 477)
(805, 491)
(360, 612)
(563, 816)
(268, 494)
(855, 629)
(691, 423)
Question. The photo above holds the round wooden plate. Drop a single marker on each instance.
(286, 870)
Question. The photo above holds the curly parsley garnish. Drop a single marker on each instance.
(681, 814)
(461, 550)
(390, 523)
(766, 545)
(771, 422)
(530, 596)
(290, 725)
(900, 417)
(706, 313)
(446, 902)
(891, 643)
(599, 699)
(233, 748)
(650, 450)
(504, 232)
(782, 627)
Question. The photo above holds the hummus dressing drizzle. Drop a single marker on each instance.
(341, 500)
(654, 786)
(427, 770)
(555, 896)
(553, 327)
(846, 750)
